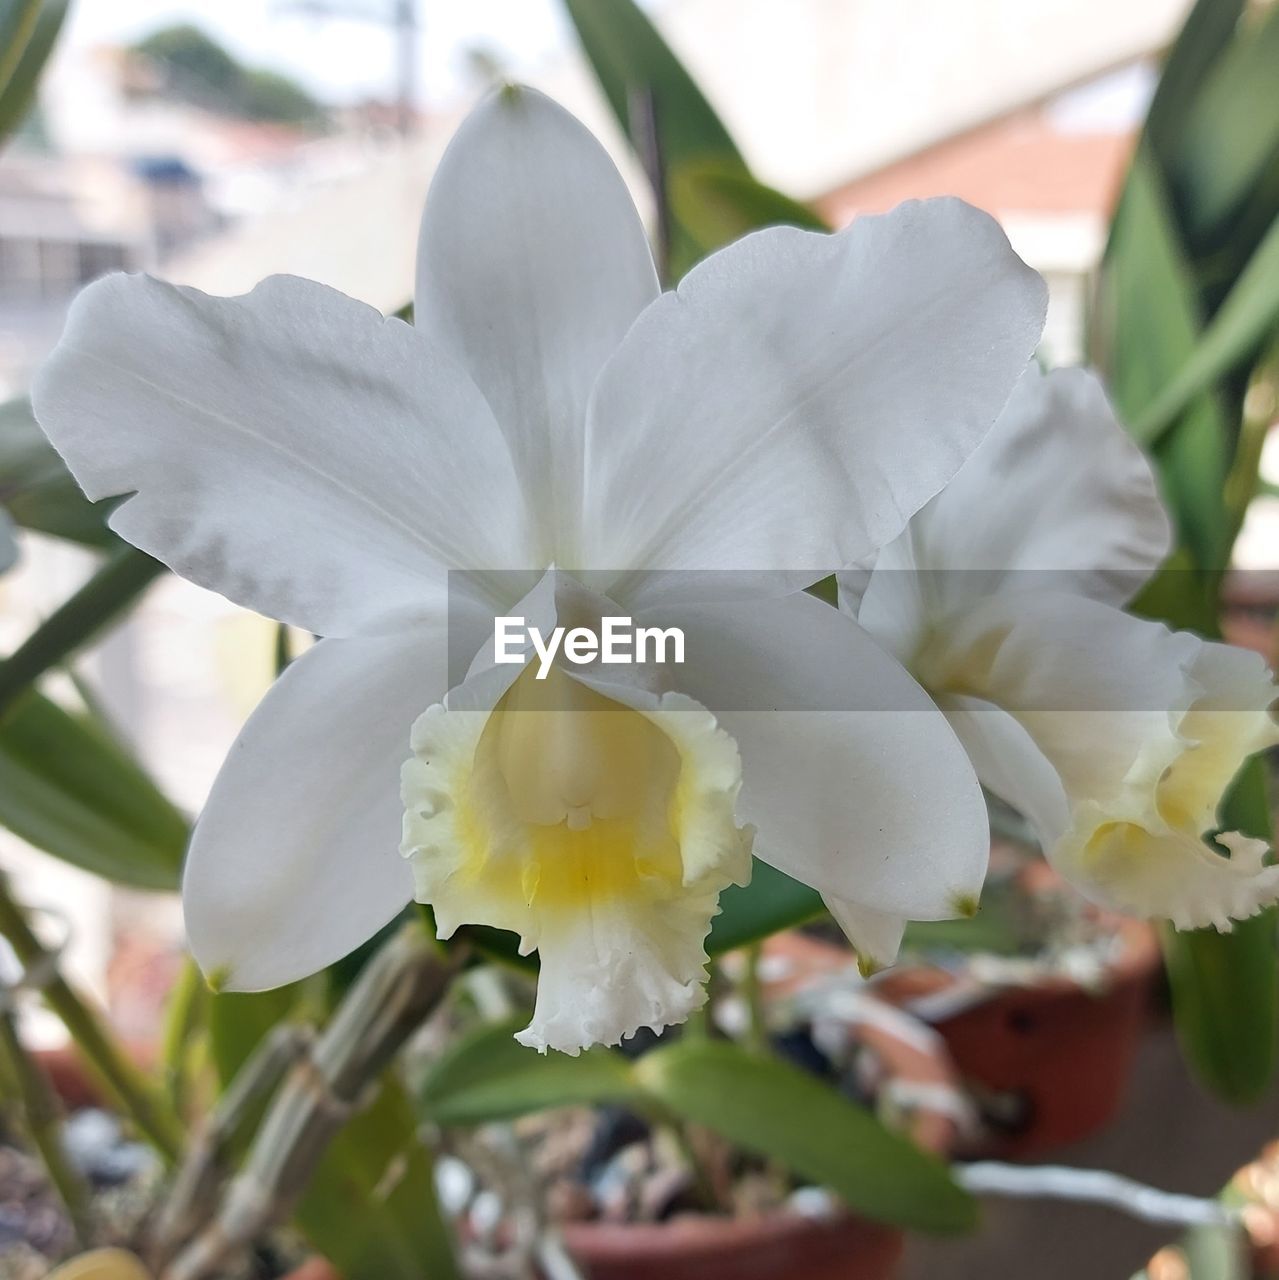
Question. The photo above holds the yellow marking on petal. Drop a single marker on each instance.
(1170, 874)
(563, 814)
(966, 905)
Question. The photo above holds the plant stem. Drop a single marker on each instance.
(187, 1012)
(111, 590)
(41, 1116)
(757, 1024)
(128, 1087)
(394, 994)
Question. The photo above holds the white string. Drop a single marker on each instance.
(1094, 1186)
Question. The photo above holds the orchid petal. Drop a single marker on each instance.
(1056, 498)
(851, 775)
(295, 859)
(291, 448)
(876, 936)
(1009, 764)
(801, 395)
(532, 265)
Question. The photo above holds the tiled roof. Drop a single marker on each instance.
(1024, 163)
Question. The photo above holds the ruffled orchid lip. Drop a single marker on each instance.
(601, 832)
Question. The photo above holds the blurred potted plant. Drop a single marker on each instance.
(1041, 1002)
(677, 1176)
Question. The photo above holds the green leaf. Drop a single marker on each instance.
(69, 788)
(1150, 324)
(1207, 32)
(777, 1111)
(761, 1104)
(20, 75)
(37, 489)
(1225, 986)
(240, 1020)
(634, 65)
(369, 1225)
(771, 902)
(18, 20)
(1231, 130)
(112, 590)
(720, 204)
(1247, 317)
(488, 1075)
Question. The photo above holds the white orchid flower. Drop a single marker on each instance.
(1114, 736)
(580, 444)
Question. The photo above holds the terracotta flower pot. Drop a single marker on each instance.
(75, 1082)
(783, 1245)
(1061, 1054)
(771, 1247)
(315, 1269)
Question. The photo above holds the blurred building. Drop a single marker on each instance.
(1050, 173)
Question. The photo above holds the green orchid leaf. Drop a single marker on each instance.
(488, 1075)
(240, 1020)
(718, 204)
(1225, 986)
(1245, 320)
(1231, 129)
(370, 1206)
(1207, 32)
(760, 1104)
(30, 31)
(637, 70)
(1149, 324)
(771, 902)
(776, 1110)
(37, 489)
(18, 20)
(113, 589)
(69, 788)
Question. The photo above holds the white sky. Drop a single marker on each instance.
(341, 59)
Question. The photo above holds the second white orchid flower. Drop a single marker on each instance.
(1115, 737)
(579, 443)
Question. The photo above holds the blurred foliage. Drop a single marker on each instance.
(36, 488)
(69, 787)
(1187, 309)
(202, 72)
(760, 1103)
(706, 194)
(28, 31)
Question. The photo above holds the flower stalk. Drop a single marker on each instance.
(23, 1079)
(129, 1089)
(326, 1081)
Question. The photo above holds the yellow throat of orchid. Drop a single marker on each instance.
(599, 831)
